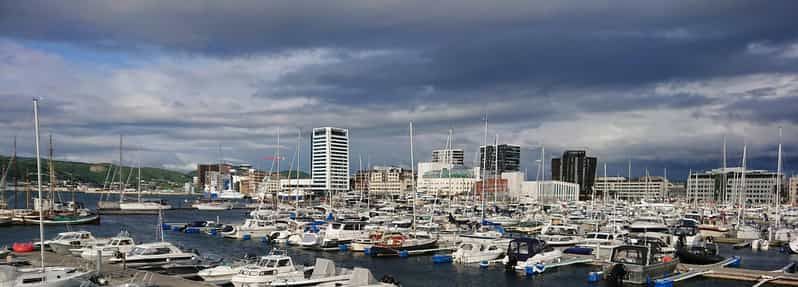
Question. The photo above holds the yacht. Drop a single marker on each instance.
(270, 268)
(230, 194)
(34, 277)
(151, 206)
(324, 272)
(335, 233)
(154, 255)
(600, 244)
(560, 235)
(475, 252)
(120, 244)
(67, 241)
(223, 274)
(636, 264)
(392, 243)
(213, 205)
(529, 252)
(254, 228)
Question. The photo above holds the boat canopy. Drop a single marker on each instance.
(524, 248)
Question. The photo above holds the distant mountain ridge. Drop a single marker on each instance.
(92, 173)
(95, 173)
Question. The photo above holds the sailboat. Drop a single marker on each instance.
(43, 276)
(57, 212)
(141, 206)
(393, 244)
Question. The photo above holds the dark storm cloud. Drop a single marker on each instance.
(373, 66)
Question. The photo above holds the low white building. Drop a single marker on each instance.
(445, 179)
(515, 183)
(550, 190)
(642, 188)
(759, 186)
(389, 180)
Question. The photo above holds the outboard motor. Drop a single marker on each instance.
(616, 275)
(389, 279)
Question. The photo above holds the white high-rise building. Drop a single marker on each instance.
(330, 159)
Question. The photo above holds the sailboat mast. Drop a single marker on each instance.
(138, 183)
(496, 169)
(484, 165)
(39, 180)
(51, 174)
(778, 183)
(121, 183)
(413, 176)
(724, 175)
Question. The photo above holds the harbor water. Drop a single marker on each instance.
(412, 271)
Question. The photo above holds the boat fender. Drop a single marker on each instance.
(367, 250)
(594, 277)
(404, 253)
(246, 237)
(663, 283)
(484, 264)
(735, 262)
(343, 247)
(441, 259)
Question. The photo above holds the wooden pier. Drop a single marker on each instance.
(115, 273)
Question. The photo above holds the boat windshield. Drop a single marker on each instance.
(149, 251)
(467, 247)
(560, 230)
(630, 256)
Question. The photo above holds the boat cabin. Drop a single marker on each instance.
(524, 248)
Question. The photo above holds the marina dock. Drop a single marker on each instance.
(115, 273)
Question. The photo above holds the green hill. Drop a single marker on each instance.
(92, 173)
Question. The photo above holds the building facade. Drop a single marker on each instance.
(445, 179)
(734, 186)
(576, 167)
(390, 181)
(453, 156)
(550, 191)
(209, 175)
(330, 159)
(509, 158)
(642, 188)
(793, 189)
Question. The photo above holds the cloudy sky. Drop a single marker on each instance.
(659, 83)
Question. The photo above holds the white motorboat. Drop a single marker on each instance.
(230, 194)
(340, 233)
(213, 205)
(34, 277)
(602, 243)
(222, 274)
(67, 241)
(144, 206)
(360, 277)
(270, 268)
(324, 272)
(530, 252)
(560, 235)
(475, 252)
(155, 254)
(117, 245)
(254, 228)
